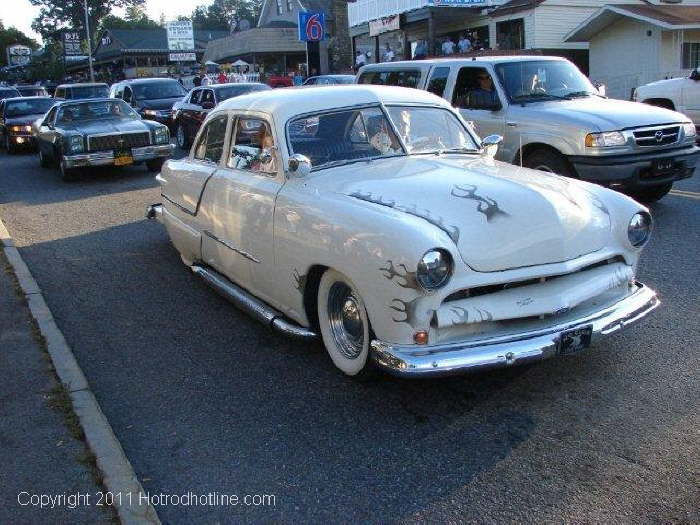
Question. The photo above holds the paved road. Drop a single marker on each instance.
(204, 399)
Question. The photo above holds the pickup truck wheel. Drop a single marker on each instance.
(155, 165)
(652, 194)
(550, 161)
(344, 325)
(181, 137)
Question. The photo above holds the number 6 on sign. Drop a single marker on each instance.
(312, 26)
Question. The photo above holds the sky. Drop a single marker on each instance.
(20, 13)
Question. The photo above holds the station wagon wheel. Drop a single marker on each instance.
(344, 324)
(549, 161)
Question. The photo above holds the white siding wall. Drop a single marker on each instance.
(554, 22)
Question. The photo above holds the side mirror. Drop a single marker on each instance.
(695, 74)
(490, 145)
(600, 88)
(208, 105)
(300, 165)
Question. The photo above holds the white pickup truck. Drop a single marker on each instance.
(553, 119)
(679, 94)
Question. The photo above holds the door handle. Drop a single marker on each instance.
(511, 124)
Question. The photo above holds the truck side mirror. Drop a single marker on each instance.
(490, 145)
(300, 165)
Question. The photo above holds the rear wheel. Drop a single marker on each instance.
(181, 137)
(652, 194)
(550, 161)
(155, 165)
(344, 325)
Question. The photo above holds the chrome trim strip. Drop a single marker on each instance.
(230, 246)
(496, 352)
(253, 306)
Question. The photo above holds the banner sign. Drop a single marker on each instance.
(71, 44)
(312, 26)
(180, 35)
(182, 57)
(18, 55)
(382, 25)
(457, 3)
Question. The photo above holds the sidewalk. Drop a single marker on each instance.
(39, 453)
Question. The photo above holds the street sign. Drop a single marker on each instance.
(312, 26)
(18, 55)
(180, 35)
(182, 57)
(384, 24)
(71, 43)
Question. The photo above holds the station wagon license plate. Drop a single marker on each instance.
(123, 159)
(575, 340)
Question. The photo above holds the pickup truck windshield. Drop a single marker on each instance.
(158, 90)
(530, 81)
(330, 139)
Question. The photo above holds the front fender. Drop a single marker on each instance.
(376, 247)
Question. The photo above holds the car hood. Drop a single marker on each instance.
(22, 120)
(158, 103)
(602, 114)
(93, 127)
(499, 216)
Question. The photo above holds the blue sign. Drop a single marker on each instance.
(312, 26)
(457, 3)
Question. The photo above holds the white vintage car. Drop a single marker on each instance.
(374, 217)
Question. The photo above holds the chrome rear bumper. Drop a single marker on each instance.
(455, 358)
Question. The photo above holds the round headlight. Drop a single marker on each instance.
(639, 229)
(434, 269)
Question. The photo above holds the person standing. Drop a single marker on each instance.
(448, 47)
(360, 59)
(388, 54)
(197, 80)
(464, 45)
(222, 78)
(421, 50)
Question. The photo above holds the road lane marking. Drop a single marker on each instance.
(683, 193)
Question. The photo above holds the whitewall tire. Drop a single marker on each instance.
(344, 324)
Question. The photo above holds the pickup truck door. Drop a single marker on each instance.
(241, 200)
(475, 92)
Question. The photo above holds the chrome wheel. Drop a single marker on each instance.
(345, 321)
(180, 135)
(544, 167)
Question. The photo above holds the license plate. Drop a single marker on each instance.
(663, 166)
(575, 340)
(123, 159)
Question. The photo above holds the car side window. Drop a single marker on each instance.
(208, 96)
(475, 89)
(60, 93)
(403, 78)
(358, 131)
(128, 95)
(253, 148)
(119, 92)
(210, 146)
(194, 98)
(438, 80)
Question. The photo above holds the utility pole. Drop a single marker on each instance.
(89, 43)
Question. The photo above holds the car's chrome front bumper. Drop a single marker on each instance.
(106, 158)
(455, 358)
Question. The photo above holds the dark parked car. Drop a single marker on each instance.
(81, 91)
(7, 92)
(16, 118)
(330, 80)
(99, 132)
(32, 91)
(190, 112)
(153, 98)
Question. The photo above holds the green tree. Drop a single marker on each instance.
(10, 36)
(115, 22)
(221, 13)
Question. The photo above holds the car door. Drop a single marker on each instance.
(486, 108)
(47, 135)
(242, 195)
(187, 113)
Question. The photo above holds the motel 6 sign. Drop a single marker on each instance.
(312, 26)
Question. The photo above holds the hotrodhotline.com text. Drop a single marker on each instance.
(187, 499)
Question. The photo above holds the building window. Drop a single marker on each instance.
(691, 55)
(279, 7)
(289, 5)
(511, 34)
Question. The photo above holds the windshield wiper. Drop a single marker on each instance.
(535, 96)
(458, 150)
(583, 93)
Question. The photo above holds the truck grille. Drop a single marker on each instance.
(114, 142)
(657, 136)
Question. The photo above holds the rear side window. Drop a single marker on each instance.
(403, 78)
(438, 80)
(211, 141)
(194, 99)
(60, 93)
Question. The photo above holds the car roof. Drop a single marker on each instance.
(289, 102)
(8, 88)
(87, 101)
(146, 80)
(416, 64)
(82, 84)
(38, 97)
(229, 84)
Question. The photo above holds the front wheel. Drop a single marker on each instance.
(652, 194)
(181, 137)
(67, 174)
(549, 161)
(344, 325)
(155, 165)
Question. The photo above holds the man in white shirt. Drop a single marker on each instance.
(360, 59)
(464, 45)
(448, 47)
(388, 54)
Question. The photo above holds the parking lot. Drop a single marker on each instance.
(203, 399)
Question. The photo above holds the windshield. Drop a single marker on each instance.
(235, 91)
(9, 93)
(352, 135)
(536, 80)
(99, 110)
(87, 92)
(158, 90)
(33, 92)
(18, 108)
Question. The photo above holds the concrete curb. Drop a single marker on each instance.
(119, 476)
